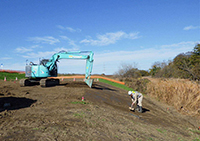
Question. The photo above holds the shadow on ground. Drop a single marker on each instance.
(15, 103)
(100, 87)
(145, 110)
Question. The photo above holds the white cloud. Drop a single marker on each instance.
(110, 38)
(46, 54)
(46, 40)
(70, 29)
(36, 46)
(60, 27)
(5, 58)
(23, 49)
(144, 58)
(14, 66)
(71, 42)
(61, 49)
(133, 35)
(65, 49)
(181, 44)
(38, 55)
(191, 27)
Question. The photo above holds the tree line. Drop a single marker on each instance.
(184, 65)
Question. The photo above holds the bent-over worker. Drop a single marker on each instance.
(137, 98)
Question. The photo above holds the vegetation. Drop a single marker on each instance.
(129, 71)
(11, 76)
(184, 95)
(139, 84)
(185, 65)
(116, 84)
(79, 102)
(132, 77)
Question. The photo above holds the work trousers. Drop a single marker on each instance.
(140, 100)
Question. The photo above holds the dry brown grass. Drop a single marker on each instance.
(184, 95)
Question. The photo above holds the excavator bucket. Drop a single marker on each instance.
(89, 82)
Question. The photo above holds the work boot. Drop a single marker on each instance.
(140, 109)
(137, 108)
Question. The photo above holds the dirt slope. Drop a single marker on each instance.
(57, 113)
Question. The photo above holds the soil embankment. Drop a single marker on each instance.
(58, 113)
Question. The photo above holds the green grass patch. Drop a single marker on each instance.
(161, 131)
(197, 139)
(79, 115)
(79, 102)
(195, 131)
(36, 128)
(116, 84)
(11, 76)
(150, 139)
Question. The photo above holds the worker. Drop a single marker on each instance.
(137, 98)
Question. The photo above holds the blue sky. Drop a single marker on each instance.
(132, 32)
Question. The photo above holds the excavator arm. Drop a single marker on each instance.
(78, 55)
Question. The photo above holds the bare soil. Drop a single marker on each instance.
(58, 113)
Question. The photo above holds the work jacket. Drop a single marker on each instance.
(135, 96)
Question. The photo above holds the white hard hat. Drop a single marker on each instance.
(129, 92)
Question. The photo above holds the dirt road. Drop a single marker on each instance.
(58, 113)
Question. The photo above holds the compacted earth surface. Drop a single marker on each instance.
(73, 111)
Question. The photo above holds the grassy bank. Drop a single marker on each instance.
(11, 76)
(116, 84)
